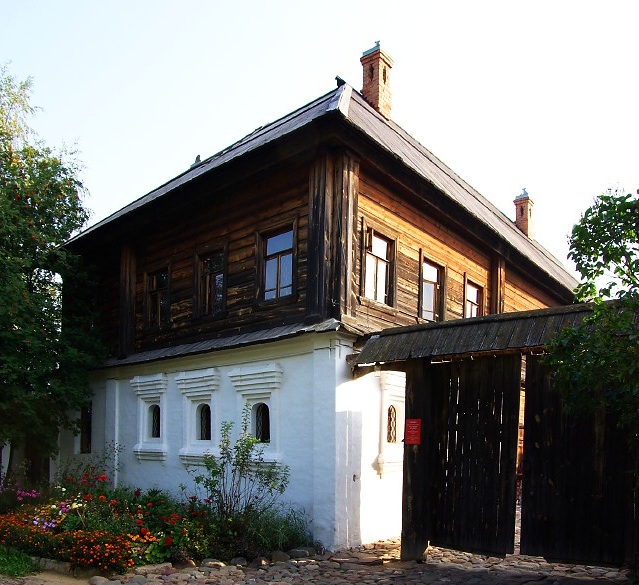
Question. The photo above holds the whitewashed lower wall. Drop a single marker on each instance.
(327, 427)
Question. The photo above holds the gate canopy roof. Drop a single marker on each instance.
(521, 331)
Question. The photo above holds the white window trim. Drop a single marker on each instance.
(198, 387)
(261, 383)
(392, 387)
(150, 390)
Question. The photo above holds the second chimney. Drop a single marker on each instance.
(376, 67)
(523, 213)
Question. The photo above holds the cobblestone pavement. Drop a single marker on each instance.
(376, 564)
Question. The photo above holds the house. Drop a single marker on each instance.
(250, 280)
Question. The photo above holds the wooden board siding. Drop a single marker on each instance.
(415, 231)
(521, 295)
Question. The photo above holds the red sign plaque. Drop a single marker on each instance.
(413, 432)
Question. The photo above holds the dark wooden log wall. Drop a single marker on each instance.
(342, 198)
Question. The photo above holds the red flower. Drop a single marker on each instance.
(139, 522)
(88, 498)
(102, 477)
(168, 541)
(137, 493)
(149, 504)
(143, 531)
(102, 498)
(114, 502)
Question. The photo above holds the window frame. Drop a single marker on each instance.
(440, 290)
(262, 238)
(258, 410)
(149, 291)
(480, 298)
(261, 383)
(151, 392)
(201, 255)
(369, 233)
(199, 388)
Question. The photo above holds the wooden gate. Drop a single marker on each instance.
(578, 496)
(459, 486)
(459, 483)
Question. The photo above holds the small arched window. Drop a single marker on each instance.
(154, 421)
(204, 422)
(262, 423)
(391, 425)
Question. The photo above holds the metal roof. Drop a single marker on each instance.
(228, 342)
(507, 331)
(355, 111)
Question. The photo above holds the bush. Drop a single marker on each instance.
(241, 492)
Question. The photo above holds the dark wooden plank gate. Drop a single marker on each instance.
(577, 500)
(465, 466)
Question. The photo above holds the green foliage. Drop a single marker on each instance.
(604, 246)
(596, 364)
(86, 520)
(42, 364)
(241, 489)
(281, 529)
(15, 563)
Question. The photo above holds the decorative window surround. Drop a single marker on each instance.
(260, 383)
(392, 393)
(198, 387)
(150, 391)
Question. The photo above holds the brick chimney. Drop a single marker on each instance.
(523, 213)
(376, 66)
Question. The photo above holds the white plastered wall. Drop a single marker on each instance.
(324, 425)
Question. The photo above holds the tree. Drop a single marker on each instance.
(596, 365)
(43, 365)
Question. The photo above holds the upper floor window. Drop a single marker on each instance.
(212, 283)
(278, 264)
(377, 268)
(473, 300)
(431, 297)
(158, 298)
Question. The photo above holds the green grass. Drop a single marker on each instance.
(15, 563)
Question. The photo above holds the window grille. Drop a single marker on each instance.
(262, 423)
(205, 423)
(155, 421)
(391, 426)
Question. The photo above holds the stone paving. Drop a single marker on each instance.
(376, 564)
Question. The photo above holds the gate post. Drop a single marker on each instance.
(415, 525)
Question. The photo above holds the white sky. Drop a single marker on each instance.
(540, 94)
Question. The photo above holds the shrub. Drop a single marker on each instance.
(241, 492)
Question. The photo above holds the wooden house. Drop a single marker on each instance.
(252, 277)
